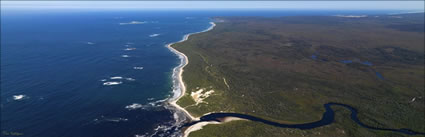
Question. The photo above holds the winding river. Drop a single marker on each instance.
(327, 118)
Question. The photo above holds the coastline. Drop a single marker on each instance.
(179, 89)
(198, 126)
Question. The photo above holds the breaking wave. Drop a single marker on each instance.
(20, 97)
(127, 49)
(154, 35)
(107, 119)
(133, 22)
(150, 105)
(112, 83)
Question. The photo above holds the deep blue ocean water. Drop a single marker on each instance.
(57, 67)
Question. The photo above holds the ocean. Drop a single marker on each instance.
(91, 73)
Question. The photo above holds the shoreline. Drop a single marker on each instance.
(179, 89)
(198, 126)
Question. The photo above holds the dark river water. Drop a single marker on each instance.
(327, 118)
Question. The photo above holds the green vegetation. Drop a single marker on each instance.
(253, 129)
(265, 67)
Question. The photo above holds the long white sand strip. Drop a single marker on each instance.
(178, 71)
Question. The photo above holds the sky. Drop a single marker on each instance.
(141, 5)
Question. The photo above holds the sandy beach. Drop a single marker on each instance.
(180, 89)
(198, 126)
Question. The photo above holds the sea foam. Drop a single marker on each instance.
(106, 119)
(154, 35)
(133, 22)
(137, 67)
(112, 83)
(130, 79)
(134, 106)
(116, 77)
(127, 49)
(19, 97)
(149, 105)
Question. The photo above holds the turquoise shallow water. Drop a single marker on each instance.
(96, 73)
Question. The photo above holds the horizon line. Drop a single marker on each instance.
(328, 5)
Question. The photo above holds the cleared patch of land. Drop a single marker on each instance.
(284, 69)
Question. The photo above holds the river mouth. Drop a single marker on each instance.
(327, 118)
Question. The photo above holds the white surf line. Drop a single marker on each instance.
(178, 71)
(178, 83)
(173, 101)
